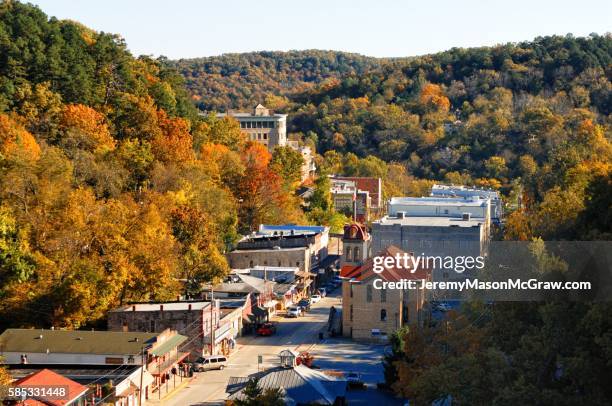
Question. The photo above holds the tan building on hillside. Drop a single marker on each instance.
(262, 126)
(270, 129)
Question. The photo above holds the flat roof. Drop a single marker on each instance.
(438, 189)
(437, 201)
(430, 221)
(155, 307)
(239, 250)
(289, 227)
(252, 116)
(275, 268)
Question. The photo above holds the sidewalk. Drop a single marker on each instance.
(169, 390)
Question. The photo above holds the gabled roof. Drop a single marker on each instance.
(247, 284)
(49, 378)
(365, 272)
(302, 384)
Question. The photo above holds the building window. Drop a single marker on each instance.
(383, 295)
(265, 136)
(356, 254)
(265, 262)
(251, 264)
(351, 287)
(383, 315)
(279, 263)
(348, 254)
(369, 294)
(152, 325)
(248, 124)
(351, 314)
(259, 124)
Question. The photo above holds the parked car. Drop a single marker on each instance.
(209, 362)
(323, 292)
(353, 380)
(315, 298)
(304, 304)
(294, 311)
(266, 329)
(442, 307)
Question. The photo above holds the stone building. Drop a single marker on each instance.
(372, 314)
(282, 246)
(192, 319)
(262, 126)
(270, 129)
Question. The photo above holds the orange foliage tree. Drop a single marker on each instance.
(85, 128)
(174, 144)
(432, 95)
(16, 141)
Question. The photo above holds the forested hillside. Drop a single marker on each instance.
(532, 119)
(244, 80)
(111, 187)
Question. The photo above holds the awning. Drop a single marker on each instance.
(168, 345)
(168, 364)
(228, 333)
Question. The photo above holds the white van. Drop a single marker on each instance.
(210, 362)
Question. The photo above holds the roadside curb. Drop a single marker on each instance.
(173, 392)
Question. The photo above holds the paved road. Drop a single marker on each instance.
(300, 334)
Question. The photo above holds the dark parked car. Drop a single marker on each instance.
(304, 304)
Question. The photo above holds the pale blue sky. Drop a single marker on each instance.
(191, 28)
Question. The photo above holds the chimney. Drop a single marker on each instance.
(189, 308)
(161, 307)
(133, 308)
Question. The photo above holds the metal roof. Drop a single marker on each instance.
(168, 345)
(75, 341)
(302, 384)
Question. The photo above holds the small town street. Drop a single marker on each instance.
(299, 334)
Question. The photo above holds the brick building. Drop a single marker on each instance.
(192, 319)
(369, 313)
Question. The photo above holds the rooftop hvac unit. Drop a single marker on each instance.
(466, 216)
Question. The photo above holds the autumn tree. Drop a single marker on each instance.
(84, 128)
(287, 163)
(201, 260)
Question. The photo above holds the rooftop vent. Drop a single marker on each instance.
(466, 216)
(401, 214)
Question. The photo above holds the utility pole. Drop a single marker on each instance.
(212, 319)
(142, 367)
